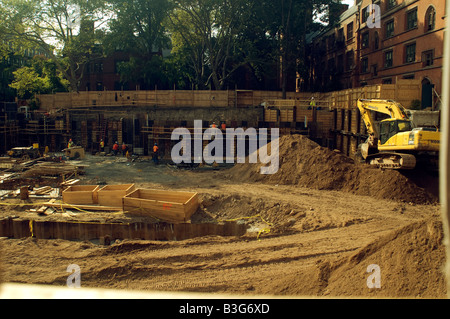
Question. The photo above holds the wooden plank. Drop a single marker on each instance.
(170, 196)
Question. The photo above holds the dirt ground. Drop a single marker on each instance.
(314, 229)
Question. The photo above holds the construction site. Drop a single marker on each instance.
(336, 206)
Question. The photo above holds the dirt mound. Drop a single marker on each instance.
(307, 164)
(410, 262)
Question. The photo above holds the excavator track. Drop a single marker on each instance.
(392, 160)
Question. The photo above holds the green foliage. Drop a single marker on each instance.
(213, 43)
(41, 77)
(64, 29)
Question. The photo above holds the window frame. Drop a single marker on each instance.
(389, 33)
(410, 57)
(365, 65)
(430, 9)
(350, 31)
(365, 40)
(425, 59)
(411, 24)
(385, 58)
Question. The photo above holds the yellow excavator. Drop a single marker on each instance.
(394, 142)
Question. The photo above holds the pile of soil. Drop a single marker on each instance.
(304, 163)
(410, 262)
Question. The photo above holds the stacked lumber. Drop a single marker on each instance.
(51, 169)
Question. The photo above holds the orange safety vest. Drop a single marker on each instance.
(155, 149)
(115, 147)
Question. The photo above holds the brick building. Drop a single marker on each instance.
(102, 74)
(399, 39)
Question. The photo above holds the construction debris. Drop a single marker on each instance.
(42, 171)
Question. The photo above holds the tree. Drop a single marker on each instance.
(139, 30)
(67, 30)
(40, 77)
(289, 22)
(27, 82)
(207, 31)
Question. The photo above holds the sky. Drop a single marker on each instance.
(349, 2)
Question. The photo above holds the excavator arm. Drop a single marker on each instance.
(388, 107)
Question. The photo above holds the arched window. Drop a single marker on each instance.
(430, 19)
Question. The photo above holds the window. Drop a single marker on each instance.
(364, 65)
(430, 19)
(387, 81)
(390, 29)
(411, 19)
(365, 40)
(388, 59)
(331, 40)
(331, 66)
(365, 14)
(349, 30)
(349, 59)
(390, 4)
(410, 53)
(375, 69)
(98, 67)
(427, 58)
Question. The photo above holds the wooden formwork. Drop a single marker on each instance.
(404, 91)
(111, 195)
(81, 194)
(287, 115)
(173, 206)
(271, 115)
(301, 114)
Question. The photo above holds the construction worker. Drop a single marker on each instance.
(70, 144)
(115, 148)
(155, 153)
(124, 149)
(102, 145)
(213, 125)
(312, 104)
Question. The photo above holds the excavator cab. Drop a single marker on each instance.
(391, 127)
